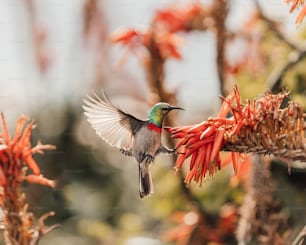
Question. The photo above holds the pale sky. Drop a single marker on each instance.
(67, 76)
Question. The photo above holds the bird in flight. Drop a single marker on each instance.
(134, 137)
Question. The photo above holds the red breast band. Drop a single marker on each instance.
(153, 127)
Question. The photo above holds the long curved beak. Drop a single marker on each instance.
(176, 108)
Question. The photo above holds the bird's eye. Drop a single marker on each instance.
(164, 109)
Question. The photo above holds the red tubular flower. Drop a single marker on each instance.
(258, 126)
(296, 4)
(15, 158)
(301, 16)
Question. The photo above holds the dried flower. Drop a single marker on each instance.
(258, 126)
(296, 4)
(16, 158)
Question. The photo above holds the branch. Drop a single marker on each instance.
(276, 78)
(220, 11)
(264, 223)
(274, 26)
(297, 55)
(39, 38)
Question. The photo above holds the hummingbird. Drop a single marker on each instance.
(137, 138)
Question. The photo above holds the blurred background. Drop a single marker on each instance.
(54, 53)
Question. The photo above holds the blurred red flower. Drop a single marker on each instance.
(195, 229)
(296, 4)
(130, 37)
(166, 43)
(177, 19)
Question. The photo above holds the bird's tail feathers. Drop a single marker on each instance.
(145, 179)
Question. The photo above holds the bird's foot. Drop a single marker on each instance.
(125, 152)
(168, 151)
(147, 158)
(164, 149)
(171, 151)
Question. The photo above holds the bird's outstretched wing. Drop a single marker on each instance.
(113, 125)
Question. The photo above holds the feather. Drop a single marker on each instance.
(113, 125)
(145, 179)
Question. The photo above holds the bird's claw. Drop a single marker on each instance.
(126, 152)
(148, 158)
(171, 151)
(166, 150)
(174, 151)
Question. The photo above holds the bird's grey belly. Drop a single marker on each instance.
(146, 142)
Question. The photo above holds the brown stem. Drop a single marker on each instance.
(261, 219)
(156, 76)
(155, 73)
(276, 78)
(220, 11)
(16, 218)
(244, 147)
(274, 27)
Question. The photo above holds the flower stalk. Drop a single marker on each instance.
(16, 160)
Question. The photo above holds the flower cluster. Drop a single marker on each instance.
(166, 43)
(259, 126)
(296, 4)
(177, 19)
(16, 160)
(166, 24)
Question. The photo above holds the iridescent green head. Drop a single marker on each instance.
(159, 111)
